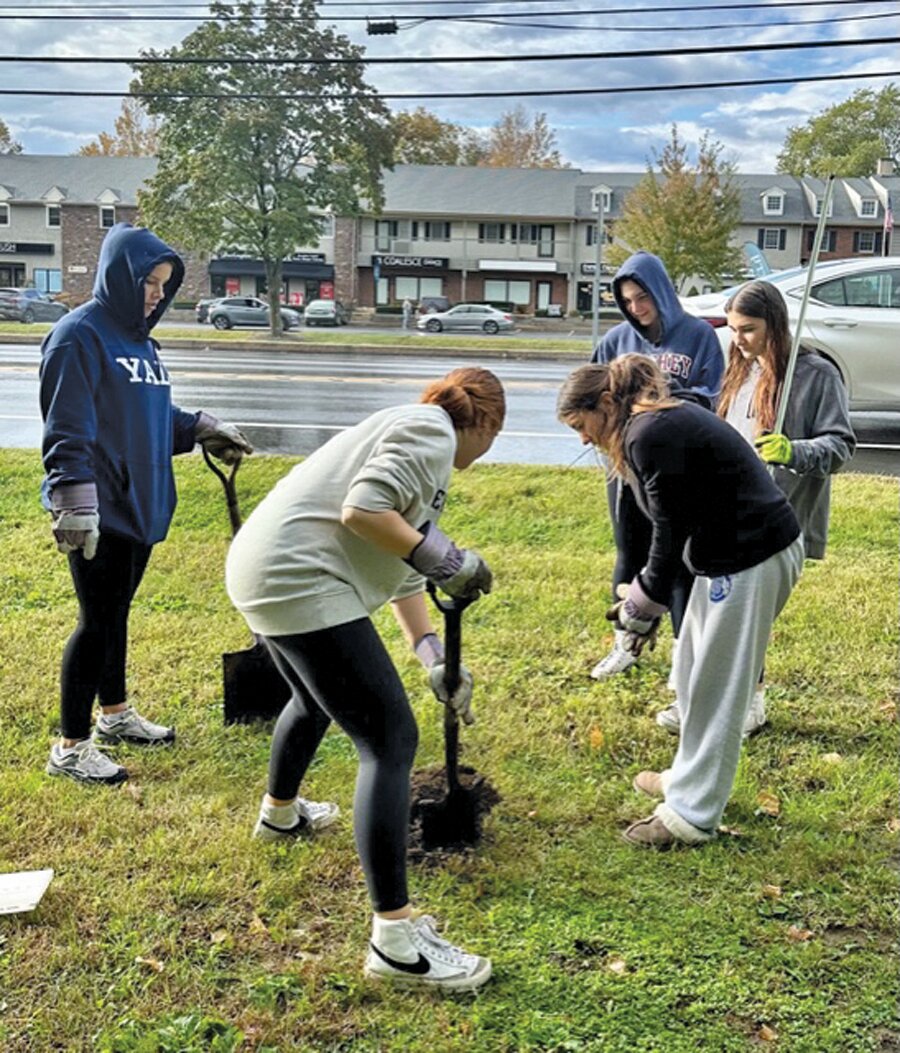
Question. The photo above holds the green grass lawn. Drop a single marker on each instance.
(344, 337)
(167, 928)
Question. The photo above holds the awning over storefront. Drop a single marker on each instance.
(235, 266)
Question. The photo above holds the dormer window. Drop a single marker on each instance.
(773, 204)
(868, 207)
(107, 216)
(818, 211)
(53, 216)
(602, 195)
(4, 214)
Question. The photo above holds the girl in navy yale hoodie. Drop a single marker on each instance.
(110, 431)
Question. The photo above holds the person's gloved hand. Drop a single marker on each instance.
(224, 441)
(774, 448)
(640, 626)
(459, 572)
(77, 528)
(461, 699)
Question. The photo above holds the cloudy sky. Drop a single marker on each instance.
(602, 132)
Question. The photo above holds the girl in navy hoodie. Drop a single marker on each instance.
(110, 430)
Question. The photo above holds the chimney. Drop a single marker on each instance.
(885, 166)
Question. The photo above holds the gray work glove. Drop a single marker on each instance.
(459, 572)
(430, 652)
(77, 528)
(224, 441)
(634, 613)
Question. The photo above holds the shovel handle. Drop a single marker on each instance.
(227, 481)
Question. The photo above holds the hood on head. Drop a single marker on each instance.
(648, 271)
(127, 257)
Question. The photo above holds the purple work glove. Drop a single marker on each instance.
(430, 652)
(76, 518)
(457, 571)
(224, 441)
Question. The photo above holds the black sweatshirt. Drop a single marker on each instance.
(708, 495)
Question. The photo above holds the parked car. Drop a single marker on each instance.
(30, 305)
(202, 307)
(853, 320)
(248, 310)
(326, 312)
(467, 316)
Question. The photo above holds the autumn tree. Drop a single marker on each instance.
(252, 167)
(8, 145)
(846, 139)
(422, 138)
(136, 134)
(520, 141)
(684, 213)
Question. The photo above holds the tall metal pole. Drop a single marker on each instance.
(595, 286)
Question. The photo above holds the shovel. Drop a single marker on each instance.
(254, 689)
(454, 820)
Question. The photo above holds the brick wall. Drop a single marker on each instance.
(346, 281)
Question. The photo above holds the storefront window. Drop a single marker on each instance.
(47, 281)
(507, 292)
(381, 291)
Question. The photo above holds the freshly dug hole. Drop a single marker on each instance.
(441, 823)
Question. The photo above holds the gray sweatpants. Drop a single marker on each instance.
(721, 650)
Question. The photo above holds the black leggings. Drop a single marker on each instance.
(633, 531)
(93, 662)
(344, 674)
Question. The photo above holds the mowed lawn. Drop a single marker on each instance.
(167, 928)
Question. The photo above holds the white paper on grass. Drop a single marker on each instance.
(23, 890)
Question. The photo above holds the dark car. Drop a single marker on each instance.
(433, 304)
(326, 312)
(30, 305)
(248, 310)
(203, 307)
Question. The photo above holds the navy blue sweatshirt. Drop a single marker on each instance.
(687, 348)
(106, 396)
(708, 495)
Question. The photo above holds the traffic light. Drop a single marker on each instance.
(383, 28)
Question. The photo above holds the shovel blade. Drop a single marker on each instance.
(254, 689)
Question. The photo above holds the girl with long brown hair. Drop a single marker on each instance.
(816, 439)
(712, 504)
(349, 529)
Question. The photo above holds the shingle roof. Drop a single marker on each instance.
(82, 179)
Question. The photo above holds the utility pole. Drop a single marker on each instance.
(598, 256)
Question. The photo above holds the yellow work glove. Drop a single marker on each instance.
(774, 448)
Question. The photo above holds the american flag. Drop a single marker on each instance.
(888, 216)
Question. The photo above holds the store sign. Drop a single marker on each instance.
(410, 262)
(76, 268)
(308, 257)
(12, 248)
(589, 268)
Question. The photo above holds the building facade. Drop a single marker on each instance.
(523, 238)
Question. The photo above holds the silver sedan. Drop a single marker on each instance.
(467, 316)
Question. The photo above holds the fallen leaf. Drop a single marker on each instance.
(532, 815)
(135, 792)
(768, 803)
(731, 831)
(799, 935)
(596, 738)
(258, 926)
(832, 758)
(617, 966)
(888, 709)
(219, 936)
(152, 963)
(893, 825)
(772, 891)
(767, 1034)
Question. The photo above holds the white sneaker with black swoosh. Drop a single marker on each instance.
(410, 953)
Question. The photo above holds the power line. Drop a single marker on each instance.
(411, 96)
(665, 29)
(567, 56)
(472, 16)
(755, 4)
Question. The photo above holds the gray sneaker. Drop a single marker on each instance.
(670, 718)
(85, 763)
(309, 818)
(130, 726)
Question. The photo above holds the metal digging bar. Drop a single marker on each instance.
(253, 687)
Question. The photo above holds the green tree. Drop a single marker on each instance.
(136, 134)
(846, 139)
(8, 145)
(422, 138)
(520, 141)
(254, 175)
(684, 213)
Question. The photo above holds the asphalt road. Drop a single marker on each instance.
(291, 402)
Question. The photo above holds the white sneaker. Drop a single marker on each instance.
(670, 717)
(85, 763)
(130, 726)
(283, 822)
(409, 952)
(617, 661)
